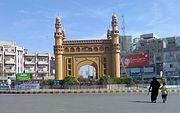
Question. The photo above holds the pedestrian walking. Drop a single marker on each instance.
(164, 92)
(9, 83)
(154, 89)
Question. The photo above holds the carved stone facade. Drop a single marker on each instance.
(103, 55)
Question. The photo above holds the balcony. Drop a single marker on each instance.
(9, 71)
(43, 63)
(29, 63)
(43, 71)
(9, 61)
(30, 71)
(10, 53)
(30, 55)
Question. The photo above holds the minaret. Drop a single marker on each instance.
(108, 34)
(59, 36)
(115, 47)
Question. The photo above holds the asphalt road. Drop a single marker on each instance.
(88, 103)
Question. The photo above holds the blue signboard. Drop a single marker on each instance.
(135, 75)
(57, 82)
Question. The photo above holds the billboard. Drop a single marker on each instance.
(141, 59)
(148, 69)
(135, 72)
(23, 76)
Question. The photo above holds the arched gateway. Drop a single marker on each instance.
(103, 55)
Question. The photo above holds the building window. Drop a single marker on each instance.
(159, 50)
(171, 65)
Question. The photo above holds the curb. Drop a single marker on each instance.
(75, 92)
(83, 91)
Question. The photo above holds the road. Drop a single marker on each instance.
(87, 103)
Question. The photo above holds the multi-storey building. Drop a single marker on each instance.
(125, 44)
(135, 42)
(11, 59)
(151, 44)
(52, 66)
(171, 64)
(38, 65)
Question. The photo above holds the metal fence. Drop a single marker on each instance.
(112, 87)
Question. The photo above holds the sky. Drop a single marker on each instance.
(30, 23)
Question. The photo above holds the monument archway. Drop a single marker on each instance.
(90, 63)
(103, 54)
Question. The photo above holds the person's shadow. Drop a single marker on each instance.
(141, 101)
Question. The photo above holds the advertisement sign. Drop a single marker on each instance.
(23, 76)
(135, 72)
(141, 59)
(148, 69)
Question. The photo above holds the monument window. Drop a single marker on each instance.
(78, 49)
(95, 49)
(101, 48)
(69, 72)
(72, 50)
(69, 66)
(104, 59)
(69, 60)
(105, 66)
(66, 50)
(107, 48)
(105, 72)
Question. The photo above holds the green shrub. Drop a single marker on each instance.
(46, 82)
(68, 81)
(126, 80)
(104, 80)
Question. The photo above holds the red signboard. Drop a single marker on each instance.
(141, 59)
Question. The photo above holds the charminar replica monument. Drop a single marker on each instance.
(103, 55)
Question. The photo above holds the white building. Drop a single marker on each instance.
(11, 59)
(38, 65)
(171, 64)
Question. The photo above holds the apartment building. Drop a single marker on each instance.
(171, 56)
(38, 65)
(11, 59)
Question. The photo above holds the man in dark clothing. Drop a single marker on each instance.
(155, 89)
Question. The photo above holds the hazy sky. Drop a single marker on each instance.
(31, 22)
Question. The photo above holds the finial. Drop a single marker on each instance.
(113, 12)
